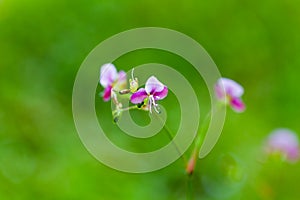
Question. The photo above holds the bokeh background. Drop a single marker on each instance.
(43, 43)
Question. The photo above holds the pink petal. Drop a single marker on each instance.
(138, 96)
(220, 91)
(230, 87)
(107, 93)
(153, 85)
(108, 74)
(237, 105)
(293, 154)
(162, 94)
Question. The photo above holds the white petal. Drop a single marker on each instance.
(231, 87)
(108, 74)
(153, 85)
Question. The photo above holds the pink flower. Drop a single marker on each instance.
(283, 142)
(111, 79)
(154, 90)
(230, 91)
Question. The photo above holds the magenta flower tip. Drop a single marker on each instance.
(237, 105)
(107, 93)
(138, 96)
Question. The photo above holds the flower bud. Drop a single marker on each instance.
(190, 168)
(133, 82)
(134, 85)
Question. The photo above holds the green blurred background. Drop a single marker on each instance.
(43, 43)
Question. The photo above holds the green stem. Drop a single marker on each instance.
(200, 136)
(167, 129)
(125, 109)
(171, 137)
(189, 193)
(194, 157)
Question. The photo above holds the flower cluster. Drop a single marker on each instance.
(281, 144)
(145, 98)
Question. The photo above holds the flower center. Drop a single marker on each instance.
(152, 103)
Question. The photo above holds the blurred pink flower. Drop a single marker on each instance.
(111, 79)
(283, 142)
(154, 90)
(230, 92)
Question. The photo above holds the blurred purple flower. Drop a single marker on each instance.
(111, 79)
(283, 142)
(230, 92)
(154, 90)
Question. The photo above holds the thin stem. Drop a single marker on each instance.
(125, 109)
(132, 72)
(195, 153)
(171, 137)
(167, 129)
(200, 136)
(190, 168)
